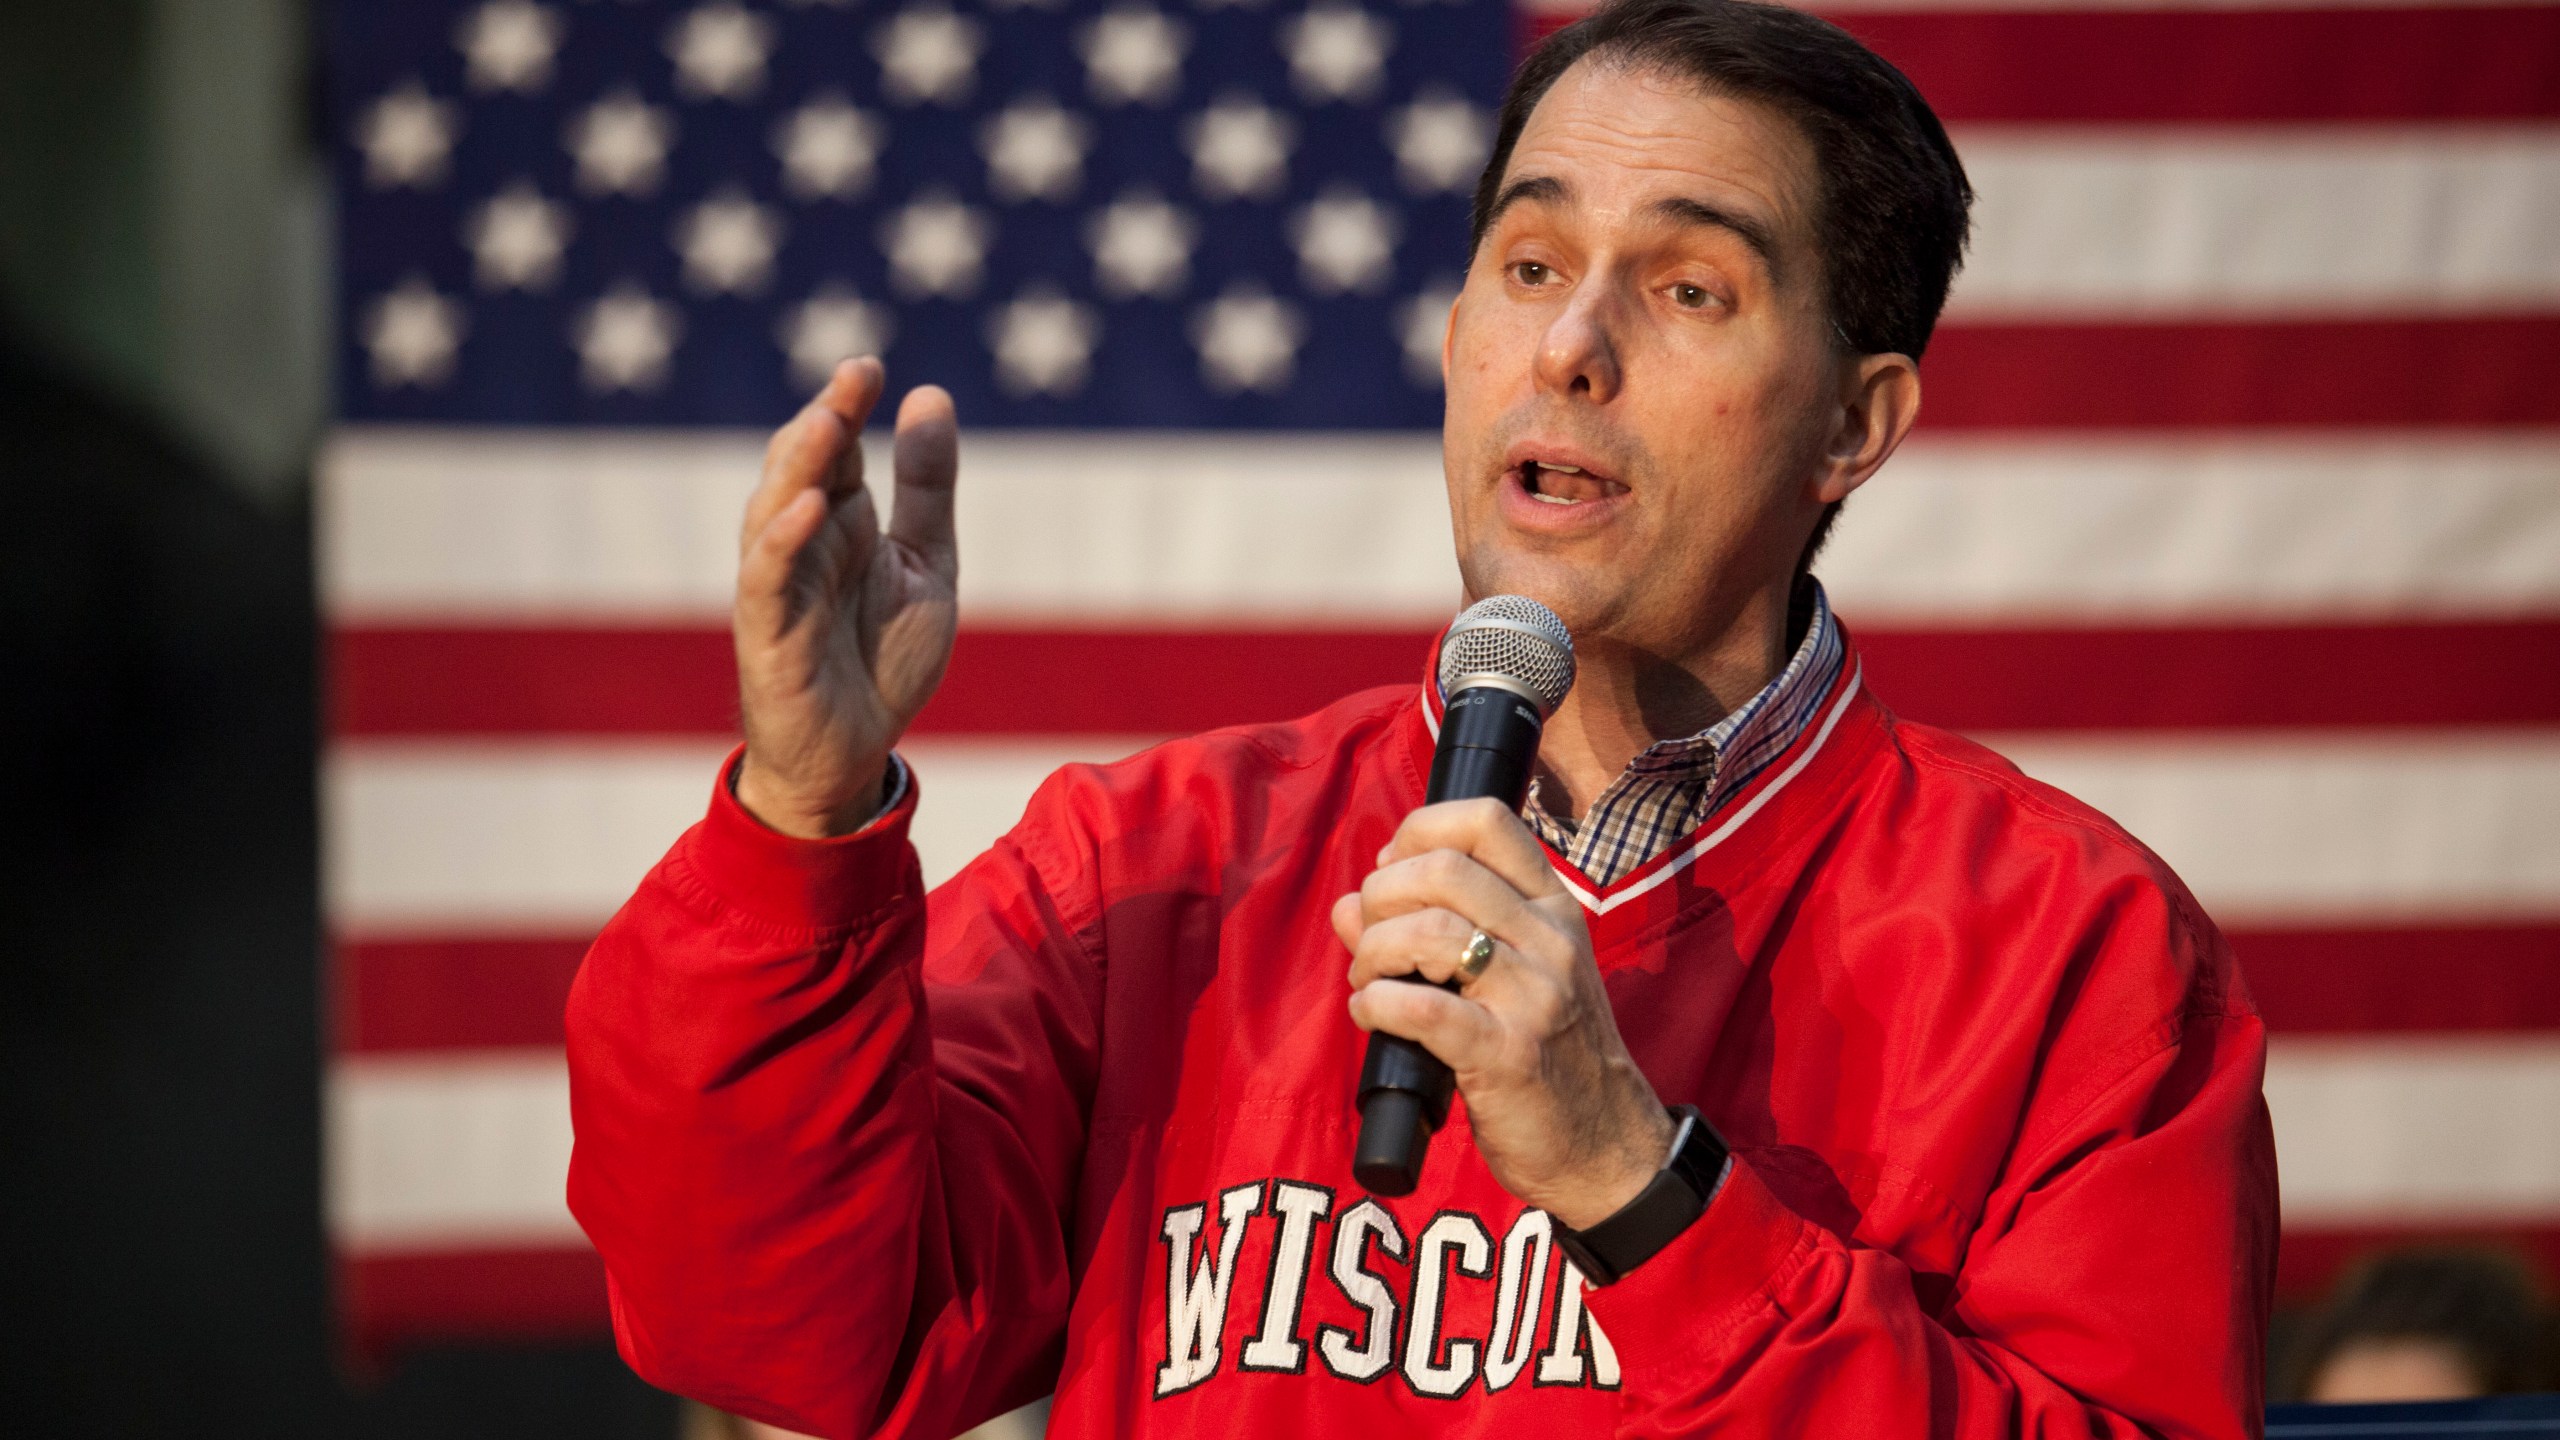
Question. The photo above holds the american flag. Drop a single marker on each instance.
(2234, 509)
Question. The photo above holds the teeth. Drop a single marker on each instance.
(1560, 469)
(1552, 499)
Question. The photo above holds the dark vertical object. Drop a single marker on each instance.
(1505, 664)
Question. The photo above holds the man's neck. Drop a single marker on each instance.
(1626, 698)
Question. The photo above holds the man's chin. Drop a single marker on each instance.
(1579, 589)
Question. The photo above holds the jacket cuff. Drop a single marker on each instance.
(1667, 1318)
(831, 884)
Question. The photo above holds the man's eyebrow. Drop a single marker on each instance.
(1545, 189)
(1684, 211)
(1678, 209)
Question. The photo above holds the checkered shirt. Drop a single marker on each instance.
(1673, 787)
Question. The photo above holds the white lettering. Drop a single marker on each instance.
(1195, 1296)
(1566, 1347)
(1362, 1357)
(1278, 1347)
(1519, 1298)
(1423, 1369)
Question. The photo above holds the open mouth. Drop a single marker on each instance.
(1551, 483)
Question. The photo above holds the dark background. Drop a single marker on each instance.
(163, 302)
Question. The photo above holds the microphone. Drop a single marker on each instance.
(1504, 667)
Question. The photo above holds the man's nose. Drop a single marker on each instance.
(1578, 355)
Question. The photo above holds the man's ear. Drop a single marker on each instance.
(1448, 340)
(1879, 400)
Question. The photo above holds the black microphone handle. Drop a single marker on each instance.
(1488, 744)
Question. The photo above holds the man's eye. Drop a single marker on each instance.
(1690, 297)
(1529, 272)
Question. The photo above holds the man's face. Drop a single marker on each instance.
(1640, 380)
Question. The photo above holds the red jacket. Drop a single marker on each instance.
(861, 1160)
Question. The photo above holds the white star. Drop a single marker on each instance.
(927, 53)
(1034, 151)
(1247, 340)
(1141, 246)
(516, 239)
(508, 45)
(720, 50)
(827, 148)
(406, 137)
(621, 145)
(1420, 323)
(832, 324)
(1239, 148)
(728, 243)
(935, 246)
(1336, 51)
(1133, 53)
(1440, 142)
(411, 334)
(1346, 241)
(1043, 343)
(625, 340)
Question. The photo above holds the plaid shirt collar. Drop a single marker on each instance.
(1675, 785)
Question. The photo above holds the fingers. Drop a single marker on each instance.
(1464, 1035)
(817, 448)
(1485, 830)
(1447, 880)
(1427, 944)
(927, 466)
(764, 571)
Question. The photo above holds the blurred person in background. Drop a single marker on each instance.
(2424, 1324)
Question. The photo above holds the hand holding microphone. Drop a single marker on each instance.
(1516, 1014)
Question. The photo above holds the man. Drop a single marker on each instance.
(1978, 1150)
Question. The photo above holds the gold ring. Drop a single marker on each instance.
(1476, 958)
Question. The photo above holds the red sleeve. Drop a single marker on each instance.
(821, 1203)
(2117, 1282)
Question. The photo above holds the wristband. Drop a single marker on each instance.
(1639, 1229)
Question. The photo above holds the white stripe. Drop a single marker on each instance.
(631, 527)
(448, 839)
(2328, 828)
(517, 528)
(2416, 1131)
(2046, 529)
(455, 1149)
(449, 1149)
(2328, 220)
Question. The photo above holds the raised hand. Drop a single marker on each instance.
(842, 631)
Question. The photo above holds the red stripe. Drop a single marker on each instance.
(395, 1300)
(2488, 63)
(2451, 63)
(2243, 374)
(438, 994)
(2451, 978)
(2189, 678)
(481, 993)
(590, 680)
(396, 682)
(2309, 1261)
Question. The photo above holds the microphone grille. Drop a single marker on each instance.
(1514, 637)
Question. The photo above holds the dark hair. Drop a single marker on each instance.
(2481, 1303)
(1893, 196)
